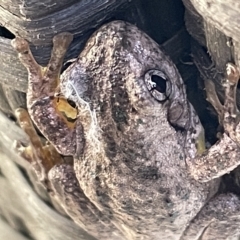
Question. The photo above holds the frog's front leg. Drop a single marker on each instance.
(41, 103)
(223, 156)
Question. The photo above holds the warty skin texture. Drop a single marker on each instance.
(139, 169)
(135, 141)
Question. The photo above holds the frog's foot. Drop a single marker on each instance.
(219, 219)
(231, 113)
(69, 193)
(42, 158)
(222, 157)
(41, 102)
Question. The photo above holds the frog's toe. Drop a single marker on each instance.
(231, 113)
(232, 73)
(62, 39)
(20, 45)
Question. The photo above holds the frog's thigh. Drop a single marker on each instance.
(69, 193)
(219, 219)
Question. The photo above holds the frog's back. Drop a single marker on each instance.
(133, 167)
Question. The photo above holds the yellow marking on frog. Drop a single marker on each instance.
(65, 111)
(200, 143)
(63, 108)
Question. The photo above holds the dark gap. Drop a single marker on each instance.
(6, 33)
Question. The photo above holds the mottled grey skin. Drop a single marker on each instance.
(137, 173)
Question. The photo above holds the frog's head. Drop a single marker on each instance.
(134, 89)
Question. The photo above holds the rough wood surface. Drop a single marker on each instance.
(38, 22)
(220, 44)
(222, 14)
(13, 72)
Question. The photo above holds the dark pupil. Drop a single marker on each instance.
(160, 82)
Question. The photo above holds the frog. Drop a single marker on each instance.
(140, 169)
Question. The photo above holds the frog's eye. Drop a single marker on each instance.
(158, 85)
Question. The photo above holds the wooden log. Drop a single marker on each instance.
(221, 42)
(38, 24)
(222, 14)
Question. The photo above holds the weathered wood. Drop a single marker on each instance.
(221, 47)
(194, 23)
(6, 232)
(4, 105)
(15, 98)
(38, 22)
(39, 27)
(13, 73)
(222, 14)
(28, 8)
(13, 79)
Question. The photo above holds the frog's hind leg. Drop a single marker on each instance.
(219, 219)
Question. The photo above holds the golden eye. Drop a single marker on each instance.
(158, 85)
